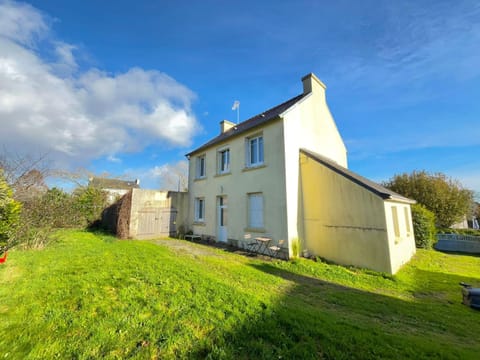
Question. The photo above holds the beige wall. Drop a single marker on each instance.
(143, 200)
(343, 222)
(308, 125)
(269, 180)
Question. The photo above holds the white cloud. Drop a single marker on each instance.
(169, 176)
(21, 23)
(76, 116)
(67, 63)
(114, 159)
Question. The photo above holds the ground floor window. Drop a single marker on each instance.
(255, 211)
(199, 209)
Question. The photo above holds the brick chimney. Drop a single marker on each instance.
(226, 125)
(313, 84)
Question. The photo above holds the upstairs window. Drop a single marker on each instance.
(255, 151)
(201, 167)
(224, 161)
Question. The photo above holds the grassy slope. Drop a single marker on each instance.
(91, 296)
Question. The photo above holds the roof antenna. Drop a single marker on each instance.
(236, 106)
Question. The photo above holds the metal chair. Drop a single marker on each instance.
(274, 250)
(250, 245)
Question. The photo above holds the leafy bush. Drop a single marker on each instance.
(57, 209)
(445, 197)
(9, 213)
(89, 202)
(423, 226)
(459, 231)
(29, 236)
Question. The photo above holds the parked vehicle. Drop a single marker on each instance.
(471, 296)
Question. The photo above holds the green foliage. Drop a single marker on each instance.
(459, 231)
(9, 213)
(57, 209)
(445, 197)
(89, 202)
(423, 226)
(295, 248)
(89, 296)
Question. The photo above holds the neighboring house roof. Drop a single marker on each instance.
(369, 185)
(116, 184)
(251, 123)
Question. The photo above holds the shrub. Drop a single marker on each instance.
(89, 202)
(29, 236)
(9, 213)
(459, 231)
(295, 248)
(423, 226)
(57, 209)
(445, 197)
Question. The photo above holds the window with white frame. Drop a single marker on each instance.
(254, 151)
(200, 209)
(201, 167)
(255, 211)
(223, 161)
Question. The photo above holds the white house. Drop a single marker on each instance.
(115, 188)
(283, 174)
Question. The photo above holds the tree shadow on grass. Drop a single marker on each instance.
(316, 319)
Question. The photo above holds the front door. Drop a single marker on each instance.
(222, 218)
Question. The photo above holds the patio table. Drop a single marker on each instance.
(262, 244)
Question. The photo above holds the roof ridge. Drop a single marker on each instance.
(368, 184)
(294, 99)
(251, 123)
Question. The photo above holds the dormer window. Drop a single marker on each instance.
(255, 151)
(201, 167)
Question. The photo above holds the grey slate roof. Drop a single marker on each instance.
(251, 123)
(369, 185)
(117, 184)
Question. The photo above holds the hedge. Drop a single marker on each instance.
(423, 226)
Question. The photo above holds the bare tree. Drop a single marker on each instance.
(26, 174)
(173, 177)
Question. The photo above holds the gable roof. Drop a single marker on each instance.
(369, 185)
(117, 184)
(251, 123)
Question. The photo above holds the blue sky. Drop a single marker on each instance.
(128, 87)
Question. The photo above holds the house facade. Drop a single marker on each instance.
(253, 180)
(115, 188)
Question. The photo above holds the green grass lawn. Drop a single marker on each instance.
(91, 296)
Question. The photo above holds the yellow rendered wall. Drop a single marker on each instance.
(343, 222)
(268, 179)
(308, 125)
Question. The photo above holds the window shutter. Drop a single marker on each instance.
(256, 210)
(197, 203)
